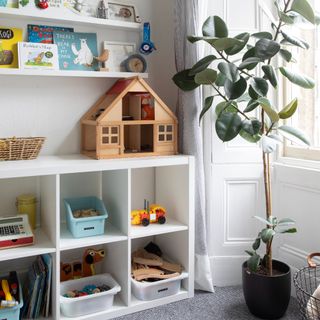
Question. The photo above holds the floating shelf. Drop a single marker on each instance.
(152, 229)
(67, 241)
(75, 74)
(42, 245)
(65, 16)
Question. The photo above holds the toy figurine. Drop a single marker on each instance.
(152, 214)
(103, 58)
(102, 10)
(42, 4)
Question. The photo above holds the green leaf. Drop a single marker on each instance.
(293, 134)
(249, 252)
(267, 235)
(291, 230)
(249, 54)
(266, 49)
(225, 43)
(290, 39)
(260, 86)
(207, 105)
(286, 55)
(266, 105)
(303, 8)
(184, 81)
(244, 37)
(254, 262)
(202, 65)
(269, 144)
(248, 137)
(270, 75)
(249, 63)
(235, 90)
(253, 104)
(228, 126)
(298, 79)
(227, 106)
(285, 18)
(289, 110)
(214, 26)
(244, 98)
(256, 244)
(252, 126)
(221, 79)
(230, 70)
(207, 76)
(286, 222)
(265, 221)
(262, 35)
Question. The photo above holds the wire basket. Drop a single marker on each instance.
(20, 148)
(306, 282)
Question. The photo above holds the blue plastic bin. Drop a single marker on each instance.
(85, 227)
(14, 312)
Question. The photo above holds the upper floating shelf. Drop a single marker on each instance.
(59, 16)
(70, 73)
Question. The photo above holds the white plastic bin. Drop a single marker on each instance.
(74, 307)
(147, 291)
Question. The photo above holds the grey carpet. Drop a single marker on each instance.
(226, 304)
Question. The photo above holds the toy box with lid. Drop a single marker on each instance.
(85, 226)
(11, 313)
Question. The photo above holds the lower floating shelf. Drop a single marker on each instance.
(71, 73)
(42, 245)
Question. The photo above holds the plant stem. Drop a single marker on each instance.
(219, 93)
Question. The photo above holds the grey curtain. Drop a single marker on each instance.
(188, 17)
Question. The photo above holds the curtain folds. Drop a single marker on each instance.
(189, 15)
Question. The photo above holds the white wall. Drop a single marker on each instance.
(52, 107)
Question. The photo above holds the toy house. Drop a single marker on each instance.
(130, 120)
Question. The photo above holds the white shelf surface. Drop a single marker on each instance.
(152, 229)
(67, 241)
(57, 16)
(51, 165)
(70, 73)
(42, 245)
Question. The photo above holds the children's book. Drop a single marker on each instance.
(38, 56)
(31, 4)
(44, 34)
(9, 37)
(9, 3)
(77, 51)
(47, 259)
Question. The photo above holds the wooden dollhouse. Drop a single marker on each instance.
(130, 120)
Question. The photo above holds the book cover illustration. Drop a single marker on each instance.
(77, 51)
(38, 56)
(9, 3)
(44, 34)
(32, 4)
(9, 37)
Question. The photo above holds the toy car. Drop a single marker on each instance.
(152, 214)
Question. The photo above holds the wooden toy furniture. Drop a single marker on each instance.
(130, 120)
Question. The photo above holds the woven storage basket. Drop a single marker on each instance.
(20, 148)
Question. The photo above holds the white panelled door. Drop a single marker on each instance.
(236, 184)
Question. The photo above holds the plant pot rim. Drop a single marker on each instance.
(244, 266)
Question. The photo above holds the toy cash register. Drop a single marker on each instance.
(15, 232)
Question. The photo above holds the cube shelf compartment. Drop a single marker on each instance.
(122, 185)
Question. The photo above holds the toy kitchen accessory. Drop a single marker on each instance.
(27, 204)
(147, 45)
(15, 232)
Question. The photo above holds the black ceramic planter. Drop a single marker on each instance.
(267, 297)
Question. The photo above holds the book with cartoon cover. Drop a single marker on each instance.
(9, 37)
(44, 34)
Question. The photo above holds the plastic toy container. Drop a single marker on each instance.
(75, 307)
(147, 291)
(14, 312)
(85, 227)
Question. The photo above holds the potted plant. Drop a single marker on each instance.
(243, 70)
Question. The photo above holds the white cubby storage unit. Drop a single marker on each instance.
(122, 185)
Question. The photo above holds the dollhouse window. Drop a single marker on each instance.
(165, 133)
(110, 135)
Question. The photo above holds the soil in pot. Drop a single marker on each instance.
(267, 297)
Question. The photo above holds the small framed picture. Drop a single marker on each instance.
(123, 12)
(118, 52)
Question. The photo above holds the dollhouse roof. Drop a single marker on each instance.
(118, 91)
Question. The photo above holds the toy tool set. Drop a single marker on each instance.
(15, 232)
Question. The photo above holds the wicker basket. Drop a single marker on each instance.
(20, 148)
